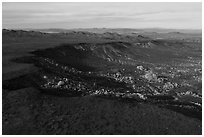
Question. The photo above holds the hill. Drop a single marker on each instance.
(80, 82)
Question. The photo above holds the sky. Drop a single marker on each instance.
(102, 15)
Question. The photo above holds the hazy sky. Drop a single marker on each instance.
(98, 15)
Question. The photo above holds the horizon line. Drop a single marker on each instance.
(103, 28)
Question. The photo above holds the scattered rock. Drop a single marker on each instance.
(150, 76)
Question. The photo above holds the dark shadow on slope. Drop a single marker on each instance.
(17, 83)
(67, 55)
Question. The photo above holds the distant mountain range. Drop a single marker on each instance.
(118, 30)
(132, 35)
